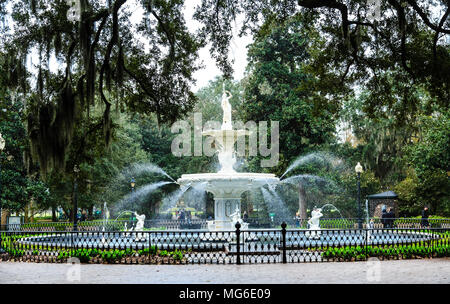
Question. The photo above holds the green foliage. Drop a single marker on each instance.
(99, 63)
(276, 90)
(348, 253)
(350, 48)
(429, 157)
(18, 187)
(380, 139)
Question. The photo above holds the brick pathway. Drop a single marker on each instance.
(403, 271)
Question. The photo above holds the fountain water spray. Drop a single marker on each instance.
(333, 207)
(318, 157)
(140, 168)
(171, 200)
(132, 197)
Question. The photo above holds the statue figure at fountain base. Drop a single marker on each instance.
(313, 222)
(236, 218)
(139, 226)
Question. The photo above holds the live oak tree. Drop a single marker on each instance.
(102, 59)
(276, 89)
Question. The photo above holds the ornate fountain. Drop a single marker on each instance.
(227, 185)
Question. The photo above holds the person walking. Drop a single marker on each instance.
(245, 217)
(390, 218)
(425, 214)
(188, 217)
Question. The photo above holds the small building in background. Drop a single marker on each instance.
(377, 201)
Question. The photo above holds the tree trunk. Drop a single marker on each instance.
(25, 214)
(3, 220)
(54, 214)
(91, 212)
(301, 201)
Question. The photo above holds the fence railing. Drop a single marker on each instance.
(225, 247)
(109, 225)
(166, 224)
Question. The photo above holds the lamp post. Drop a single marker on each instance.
(359, 170)
(132, 184)
(2, 147)
(76, 170)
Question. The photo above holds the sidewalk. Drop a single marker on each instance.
(403, 271)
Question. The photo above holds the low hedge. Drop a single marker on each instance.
(95, 255)
(387, 252)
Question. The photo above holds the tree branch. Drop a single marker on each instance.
(436, 35)
(425, 19)
(330, 4)
(402, 27)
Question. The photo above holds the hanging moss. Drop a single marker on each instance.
(57, 43)
(50, 129)
(107, 124)
(33, 4)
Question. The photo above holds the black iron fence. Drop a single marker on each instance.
(109, 225)
(225, 247)
(166, 224)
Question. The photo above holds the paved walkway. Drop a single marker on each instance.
(403, 271)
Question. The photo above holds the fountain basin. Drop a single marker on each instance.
(231, 184)
(227, 189)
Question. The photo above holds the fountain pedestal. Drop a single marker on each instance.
(222, 210)
(227, 189)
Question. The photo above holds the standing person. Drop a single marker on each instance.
(245, 217)
(182, 215)
(391, 216)
(425, 214)
(83, 215)
(297, 219)
(188, 217)
(384, 217)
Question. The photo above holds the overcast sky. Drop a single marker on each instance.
(238, 50)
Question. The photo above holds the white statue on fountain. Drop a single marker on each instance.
(226, 107)
(236, 218)
(313, 222)
(139, 225)
(140, 222)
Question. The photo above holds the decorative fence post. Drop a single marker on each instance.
(283, 241)
(71, 243)
(238, 243)
(366, 244)
(149, 245)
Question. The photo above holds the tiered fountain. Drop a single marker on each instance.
(227, 185)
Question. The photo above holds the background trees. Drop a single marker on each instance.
(100, 59)
(401, 42)
(20, 189)
(276, 89)
(429, 157)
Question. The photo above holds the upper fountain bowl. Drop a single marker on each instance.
(231, 184)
